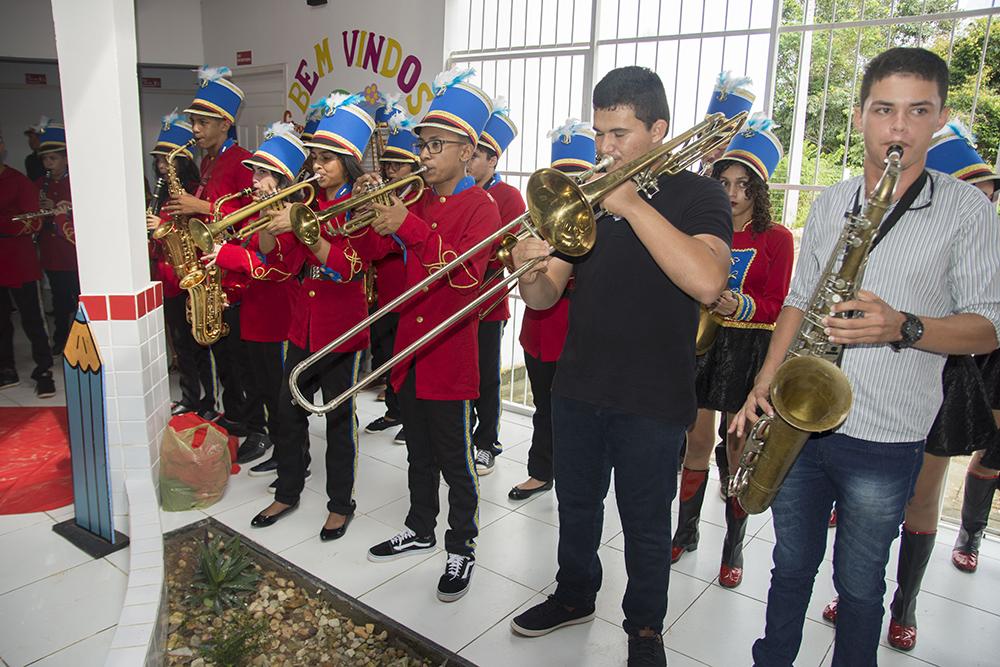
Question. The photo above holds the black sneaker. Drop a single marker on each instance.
(547, 616)
(45, 387)
(9, 378)
(454, 583)
(381, 424)
(400, 438)
(484, 461)
(403, 543)
(273, 486)
(646, 651)
(180, 408)
(268, 467)
(208, 414)
(232, 427)
(254, 446)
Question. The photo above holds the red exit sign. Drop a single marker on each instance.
(244, 57)
(35, 79)
(151, 82)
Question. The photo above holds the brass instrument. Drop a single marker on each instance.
(708, 329)
(44, 213)
(561, 211)
(809, 392)
(306, 223)
(205, 234)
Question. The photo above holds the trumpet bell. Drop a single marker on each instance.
(811, 393)
(561, 212)
(305, 224)
(201, 235)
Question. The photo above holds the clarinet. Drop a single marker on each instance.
(156, 201)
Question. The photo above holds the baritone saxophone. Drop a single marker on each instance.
(809, 392)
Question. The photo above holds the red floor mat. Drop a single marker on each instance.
(35, 470)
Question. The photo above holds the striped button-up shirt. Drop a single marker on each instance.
(941, 258)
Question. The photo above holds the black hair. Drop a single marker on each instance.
(490, 153)
(636, 87)
(352, 167)
(920, 63)
(757, 191)
(187, 173)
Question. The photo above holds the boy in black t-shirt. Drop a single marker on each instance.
(623, 394)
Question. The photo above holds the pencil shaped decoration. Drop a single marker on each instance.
(92, 529)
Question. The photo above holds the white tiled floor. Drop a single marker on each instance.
(705, 624)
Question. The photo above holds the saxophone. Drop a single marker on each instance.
(206, 300)
(809, 392)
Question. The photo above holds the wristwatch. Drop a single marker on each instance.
(912, 331)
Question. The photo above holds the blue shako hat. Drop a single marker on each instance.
(953, 151)
(51, 136)
(458, 106)
(500, 130)
(175, 131)
(312, 122)
(756, 146)
(731, 95)
(282, 152)
(217, 96)
(399, 146)
(573, 146)
(388, 107)
(344, 128)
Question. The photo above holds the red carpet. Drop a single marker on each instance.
(35, 471)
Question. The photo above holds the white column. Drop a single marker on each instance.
(96, 48)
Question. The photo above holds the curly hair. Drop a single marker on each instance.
(757, 191)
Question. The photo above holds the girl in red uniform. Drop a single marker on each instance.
(758, 282)
(57, 239)
(544, 331)
(328, 303)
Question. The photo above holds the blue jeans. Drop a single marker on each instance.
(588, 442)
(871, 483)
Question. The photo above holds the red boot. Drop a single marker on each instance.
(914, 554)
(830, 611)
(976, 501)
(693, 483)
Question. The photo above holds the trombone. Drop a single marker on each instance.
(306, 223)
(561, 211)
(204, 234)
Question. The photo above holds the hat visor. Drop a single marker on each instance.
(200, 111)
(321, 145)
(52, 148)
(444, 126)
(984, 178)
(250, 163)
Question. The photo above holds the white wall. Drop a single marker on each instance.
(167, 32)
(289, 33)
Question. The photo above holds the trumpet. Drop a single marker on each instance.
(561, 211)
(204, 234)
(306, 223)
(44, 213)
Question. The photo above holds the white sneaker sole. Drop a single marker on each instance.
(402, 554)
(251, 473)
(452, 597)
(525, 632)
(483, 471)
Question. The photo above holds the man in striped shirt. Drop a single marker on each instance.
(931, 288)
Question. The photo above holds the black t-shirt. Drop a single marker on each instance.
(630, 344)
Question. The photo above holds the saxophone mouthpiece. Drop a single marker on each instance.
(894, 149)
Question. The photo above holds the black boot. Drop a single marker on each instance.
(914, 553)
(693, 483)
(722, 460)
(976, 502)
(731, 570)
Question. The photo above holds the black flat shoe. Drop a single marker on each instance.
(523, 494)
(327, 534)
(263, 520)
(254, 446)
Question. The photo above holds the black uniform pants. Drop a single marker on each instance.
(439, 442)
(266, 361)
(194, 362)
(540, 375)
(65, 293)
(233, 370)
(335, 373)
(26, 299)
(487, 418)
(383, 334)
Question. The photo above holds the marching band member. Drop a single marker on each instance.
(266, 308)
(330, 300)
(437, 385)
(398, 161)
(758, 282)
(19, 276)
(543, 332)
(498, 134)
(212, 114)
(194, 363)
(934, 263)
(623, 394)
(57, 238)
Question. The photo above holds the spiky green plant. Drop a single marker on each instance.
(225, 573)
(239, 639)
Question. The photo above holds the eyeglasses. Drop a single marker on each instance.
(434, 146)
